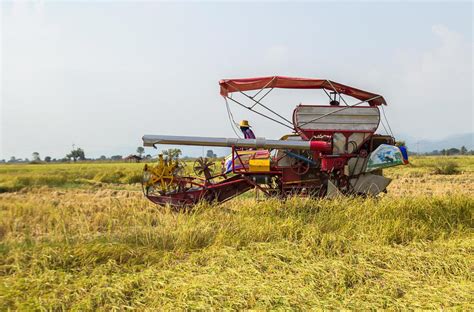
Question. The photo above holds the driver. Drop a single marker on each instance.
(245, 128)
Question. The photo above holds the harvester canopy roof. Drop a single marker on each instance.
(247, 84)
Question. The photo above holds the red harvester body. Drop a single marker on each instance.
(331, 150)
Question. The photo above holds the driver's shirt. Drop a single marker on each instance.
(248, 134)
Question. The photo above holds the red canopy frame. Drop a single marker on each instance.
(259, 83)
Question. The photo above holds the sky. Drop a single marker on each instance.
(100, 75)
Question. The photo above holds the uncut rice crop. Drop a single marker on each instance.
(102, 246)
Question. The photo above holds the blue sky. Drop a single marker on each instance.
(102, 74)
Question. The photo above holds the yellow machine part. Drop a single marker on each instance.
(259, 165)
(162, 173)
(247, 157)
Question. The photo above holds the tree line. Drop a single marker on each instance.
(78, 154)
(453, 151)
(450, 151)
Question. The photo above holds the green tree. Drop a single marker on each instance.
(75, 154)
(47, 159)
(210, 154)
(463, 150)
(140, 151)
(172, 152)
(36, 156)
(453, 151)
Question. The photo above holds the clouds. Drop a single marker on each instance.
(450, 60)
(430, 90)
(452, 55)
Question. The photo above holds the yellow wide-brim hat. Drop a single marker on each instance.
(244, 123)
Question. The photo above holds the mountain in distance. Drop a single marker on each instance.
(424, 145)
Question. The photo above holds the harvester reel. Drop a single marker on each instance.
(157, 179)
(163, 177)
(204, 167)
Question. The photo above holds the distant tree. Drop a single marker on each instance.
(210, 154)
(140, 151)
(102, 157)
(453, 151)
(148, 156)
(12, 159)
(36, 156)
(463, 150)
(172, 152)
(75, 154)
(47, 159)
(116, 157)
(81, 154)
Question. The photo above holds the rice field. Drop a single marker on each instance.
(83, 237)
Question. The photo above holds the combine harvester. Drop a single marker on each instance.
(332, 150)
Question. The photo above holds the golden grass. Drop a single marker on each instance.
(16, 177)
(89, 248)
